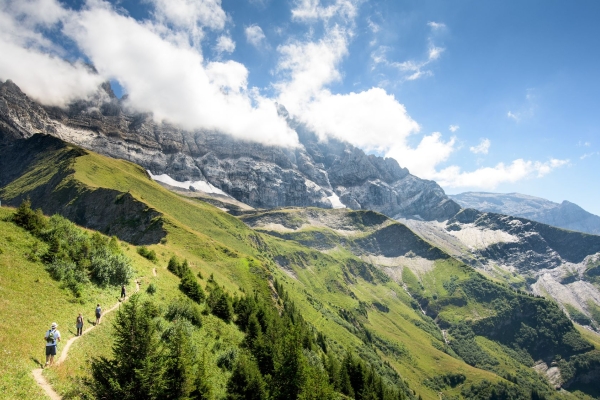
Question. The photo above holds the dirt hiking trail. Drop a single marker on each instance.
(37, 372)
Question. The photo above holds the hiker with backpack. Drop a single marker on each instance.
(52, 337)
(123, 292)
(98, 314)
(79, 325)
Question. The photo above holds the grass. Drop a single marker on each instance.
(30, 301)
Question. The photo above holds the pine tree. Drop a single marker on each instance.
(180, 373)
(246, 382)
(137, 368)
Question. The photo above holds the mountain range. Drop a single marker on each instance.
(565, 215)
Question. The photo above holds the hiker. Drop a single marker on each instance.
(98, 314)
(79, 325)
(52, 337)
(123, 291)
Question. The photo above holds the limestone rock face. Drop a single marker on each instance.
(316, 173)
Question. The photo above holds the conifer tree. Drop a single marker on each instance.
(137, 368)
(246, 382)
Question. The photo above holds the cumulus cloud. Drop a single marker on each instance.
(32, 61)
(453, 128)
(482, 148)
(491, 177)
(172, 81)
(255, 35)
(225, 45)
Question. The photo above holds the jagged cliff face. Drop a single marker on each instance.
(323, 174)
(564, 215)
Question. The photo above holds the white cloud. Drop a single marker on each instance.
(371, 120)
(190, 14)
(34, 12)
(312, 10)
(308, 67)
(588, 155)
(491, 177)
(482, 148)
(32, 61)
(514, 116)
(173, 83)
(411, 69)
(225, 45)
(255, 35)
(373, 26)
(46, 78)
(422, 160)
(436, 25)
(453, 128)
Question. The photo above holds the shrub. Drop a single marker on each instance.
(190, 286)
(184, 308)
(151, 289)
(147, 254)
(220, 304)
(25, 217)
(111, 269)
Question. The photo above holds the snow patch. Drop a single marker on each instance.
(477, 238)
(335, 201)
(201, 186)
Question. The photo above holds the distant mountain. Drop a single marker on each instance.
(332, 174)
(565, 215)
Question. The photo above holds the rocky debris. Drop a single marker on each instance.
(565, 215)
(258, 175)
(552, 373)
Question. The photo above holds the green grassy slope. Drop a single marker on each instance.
(344, 296)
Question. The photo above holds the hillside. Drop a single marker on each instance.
(362, 282)
(565, 215)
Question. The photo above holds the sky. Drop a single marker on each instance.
(476, 95)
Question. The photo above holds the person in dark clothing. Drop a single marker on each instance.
(123, 291)
(79, 325)
(98, 314)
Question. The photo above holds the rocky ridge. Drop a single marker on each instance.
(565, 215)
(528, 255)
(323, 174)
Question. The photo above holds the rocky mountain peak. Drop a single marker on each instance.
(320, 173)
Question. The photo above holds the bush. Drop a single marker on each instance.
(184, 308)
(25, 217)
(151, 289)
(190, 286)
(147, 254)
(67, 271)
(111, 269)
(220, 304)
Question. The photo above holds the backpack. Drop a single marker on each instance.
(51, 338)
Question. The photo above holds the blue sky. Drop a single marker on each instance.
(477, 95)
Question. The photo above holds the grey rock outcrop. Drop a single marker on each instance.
(314, 174)
(565, 215)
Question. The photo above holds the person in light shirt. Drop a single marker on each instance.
(52, 337)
